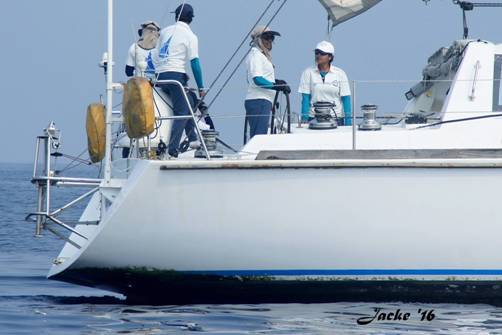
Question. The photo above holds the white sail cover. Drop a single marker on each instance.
(343, 10)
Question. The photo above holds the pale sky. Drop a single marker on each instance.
(52, 48)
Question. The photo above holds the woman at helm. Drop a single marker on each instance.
(326, 83)
(262, 83)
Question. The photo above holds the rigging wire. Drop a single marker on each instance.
(227, 64)
(458, 120)
(243, 58)
(75, 158)
(240, 62)
(71, 164)
(175, 28)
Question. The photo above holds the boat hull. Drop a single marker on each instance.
(279, 233)
(142, 286)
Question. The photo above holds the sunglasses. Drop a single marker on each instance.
(321, 53)
(268, 37)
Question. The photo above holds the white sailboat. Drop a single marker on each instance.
(277, 223)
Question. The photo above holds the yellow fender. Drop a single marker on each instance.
(138, 108)
(96, 132)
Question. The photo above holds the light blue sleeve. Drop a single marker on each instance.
(262, 82)
(306, 101)
(197, 72)
(347, 108)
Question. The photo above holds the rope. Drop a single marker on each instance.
(227, 145)
(78, 159)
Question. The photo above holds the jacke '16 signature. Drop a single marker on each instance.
(398, 315)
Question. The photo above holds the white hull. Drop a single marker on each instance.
(286, 223)
(300, 225)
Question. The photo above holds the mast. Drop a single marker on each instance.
(109, 95)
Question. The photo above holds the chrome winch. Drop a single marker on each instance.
(369, 118)
(210, 137)
(323, 118)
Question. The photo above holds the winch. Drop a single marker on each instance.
(323, 119)
(210, 137)
(369, 118)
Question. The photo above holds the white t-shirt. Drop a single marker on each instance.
(258, 65)
(141, 60)
(176, 47)
(330, 89)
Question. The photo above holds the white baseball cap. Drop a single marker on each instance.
(326, 47)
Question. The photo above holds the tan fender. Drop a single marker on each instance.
(138, 108)
(96, 132)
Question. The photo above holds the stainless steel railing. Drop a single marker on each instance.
(191, 116)
(46, 179)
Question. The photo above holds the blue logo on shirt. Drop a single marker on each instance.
(164, 50)
(150, 68)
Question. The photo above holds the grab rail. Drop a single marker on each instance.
(472, 96)
(192, 114)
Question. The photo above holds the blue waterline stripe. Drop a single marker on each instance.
(355, 272)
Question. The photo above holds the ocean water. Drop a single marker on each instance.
(31, 304)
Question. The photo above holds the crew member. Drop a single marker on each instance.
(262, 83)
(139, 58)
(177, 47)
(326, 83)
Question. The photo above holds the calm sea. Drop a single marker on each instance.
(31, 304)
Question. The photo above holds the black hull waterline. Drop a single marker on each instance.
(171, 287)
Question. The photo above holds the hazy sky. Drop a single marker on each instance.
(52, 48)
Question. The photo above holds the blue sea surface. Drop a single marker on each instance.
(31, 304)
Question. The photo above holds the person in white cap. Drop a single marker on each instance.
(326, 83)
(262, 83)
(139, 58)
